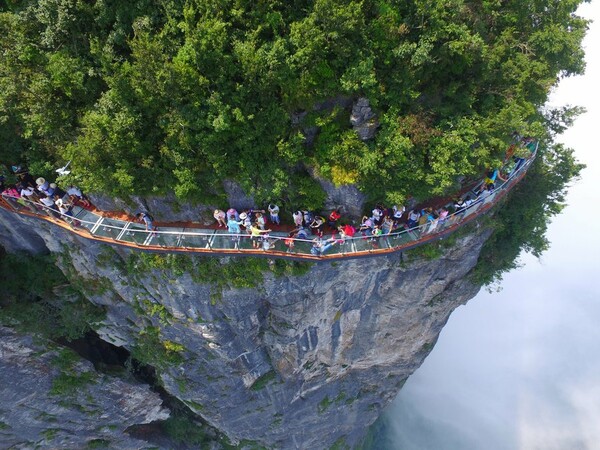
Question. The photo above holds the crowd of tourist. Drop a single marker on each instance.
(382, 221)
(322, 230)
(38, 194)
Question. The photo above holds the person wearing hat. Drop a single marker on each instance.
(246, 221)
(42, 185)
(219, 216)
(233, 212)
(64, 207)
(66, 211)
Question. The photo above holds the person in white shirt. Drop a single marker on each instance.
(274, 213)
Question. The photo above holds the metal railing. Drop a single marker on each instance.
(276, 244)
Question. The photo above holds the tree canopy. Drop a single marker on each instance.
(147, 96)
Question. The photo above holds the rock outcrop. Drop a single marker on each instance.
(363, 119)
(295, 362)
(52, 400)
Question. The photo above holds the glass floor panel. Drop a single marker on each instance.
(301, 247)
(135, 233)
(245, 243)
(223, 241)
(167, 237)
(399, 239)
(365, 243)
(86, 218)
(200, 240)
(110, 228)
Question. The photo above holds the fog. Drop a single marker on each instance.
(520, 368)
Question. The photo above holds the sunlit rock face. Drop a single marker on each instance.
(298, 362)
(40, 410)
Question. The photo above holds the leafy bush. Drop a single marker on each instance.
(38, 298)
(120, 89)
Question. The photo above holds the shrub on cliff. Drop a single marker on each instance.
(147, 96)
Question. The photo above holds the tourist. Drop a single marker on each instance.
(333, 218)
(413, 218)
(24, 177)
(376, 215)
(468, 201)
(387, 226)
(148, 220)
(29, 194)
(300, 233)
(246, 221)
(233, 212)
(255, 233)
(307, 218)
(319, 246)
(486, 192)
(219, 216)
(260, 220)
(274, 213)
(42, 185)
(316, 226)
(298, 218)
(346, 231)
(233, 227)
(267, 242)
(77, 197)
(48, 205)
(366, 226)
(66, 211)
(442, 215)
(398, 213)
(459, 205)
(12, 195)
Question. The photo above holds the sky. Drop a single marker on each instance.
(520, 368)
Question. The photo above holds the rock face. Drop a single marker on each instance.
(363, 119)
(297, 362)
(48, 404)
(347, 197)
(166, 208)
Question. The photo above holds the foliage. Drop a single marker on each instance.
(324, 404)
(146, 96)
(38, 298)
(521, 224)
(152, 350)
(185, 431)
(262, 381)
(98, 443)
(70, 380)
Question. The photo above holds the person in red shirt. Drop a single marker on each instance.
(333, 218)
(347, 231)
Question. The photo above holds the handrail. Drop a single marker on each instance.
(171, 239)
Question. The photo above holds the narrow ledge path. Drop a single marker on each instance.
(100, 227)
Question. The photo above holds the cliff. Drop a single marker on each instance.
(291, 361)
(51, 399)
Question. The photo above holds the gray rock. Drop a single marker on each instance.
(347, 197)
(236, 196)
(96, 411)
(165, 208)
(363, 119)
(297, 362)
(17, 236)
